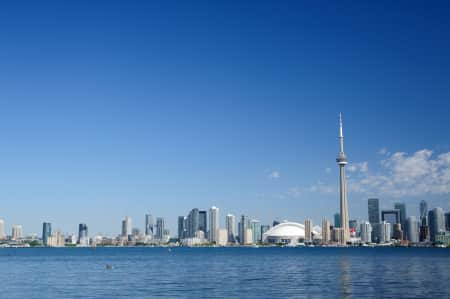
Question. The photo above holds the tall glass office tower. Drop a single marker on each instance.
(401, 206)
(181, 227)
(373, 205)
(126, 227)
(46, 232)
(230, 223)
(423, 212)
(193, 224)
(83, 234)
(255, 225)
(436, 222)
(337, 220)
(203, 221)
(213, 224)
(412, 229)
(243, 226)
(148, 225)
(160, 228)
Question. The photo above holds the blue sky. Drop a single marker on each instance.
(115, 108)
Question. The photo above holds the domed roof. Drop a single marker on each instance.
(286, 229)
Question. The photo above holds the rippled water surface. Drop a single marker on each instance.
(225, 273)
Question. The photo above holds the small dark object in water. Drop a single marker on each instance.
(109, 267)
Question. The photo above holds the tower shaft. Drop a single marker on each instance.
(342, 161)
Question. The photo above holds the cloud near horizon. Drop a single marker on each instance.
(399, 174)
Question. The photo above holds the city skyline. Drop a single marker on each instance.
(125, 110)
(202, 220)
(397, 227)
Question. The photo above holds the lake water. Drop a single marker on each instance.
(225, 273)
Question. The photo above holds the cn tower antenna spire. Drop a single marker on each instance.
(341, 135)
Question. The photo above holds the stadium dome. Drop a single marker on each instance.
(285, 233)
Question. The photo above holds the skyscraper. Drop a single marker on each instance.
(366, 232)
(193, 223)
(308, 230)
(402, 208)
(213, 224)
(423, 212)
(436, 222)
(424, 234)
(392, 217)
(384, 232)
(46, 232)
(412, 229)
(243, 226)
(126, 227)
(255, 225)
(398, 232)
(16, 233)
(148, 225)
(181, 227)
(83, 239)
(160, 229)
(2, 229)
(353, 225)
(342, 161)
(203, 221)
(230, 223)
(373, 205)
(326, 232)
(447, 221)
(337, 220)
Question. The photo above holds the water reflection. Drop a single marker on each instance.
(346, 277)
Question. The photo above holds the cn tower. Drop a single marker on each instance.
(342, 161)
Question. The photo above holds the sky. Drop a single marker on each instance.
(120, 108)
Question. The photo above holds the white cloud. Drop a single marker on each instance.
(402, 174)
(383, 151)
(358, 167)
(399, 175)
(274, 175)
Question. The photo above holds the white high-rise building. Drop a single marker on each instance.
(16, 233)
(56, 240)
(213, 224)
(366, 232)
(326, 233)
(342, 161)
(230, 223)
(308, 230)
(2, 229)
(126, 227)
(248, 236)
(412, 229)
(222, 237)
(384, 232)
